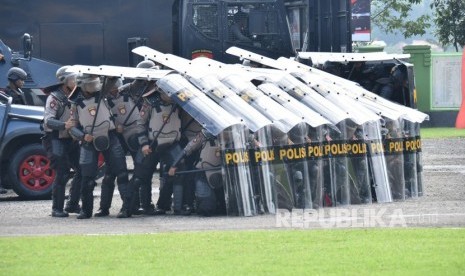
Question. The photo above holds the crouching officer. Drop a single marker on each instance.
(209, 192)
(162, 124)
(96, 131)
(62, 150)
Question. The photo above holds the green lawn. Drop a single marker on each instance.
(284, 252)
(441, 132)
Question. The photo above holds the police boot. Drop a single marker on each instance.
(58, 200)
(135, 197)
(123, 213)
(146, 199)
(106, 196)
(125, 193)
(164, 199)
(134, 205)
(72, 205)
(87, 200)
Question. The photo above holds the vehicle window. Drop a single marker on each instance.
(255, 24)
(205, 19)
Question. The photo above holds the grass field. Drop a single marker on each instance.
(429, 251)
(441, 132)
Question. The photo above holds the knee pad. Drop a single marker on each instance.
(108, 179)
(122, 177)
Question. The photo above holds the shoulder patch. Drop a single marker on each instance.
(53, 104)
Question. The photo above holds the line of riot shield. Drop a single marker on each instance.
(259, 126)
(315, 127)
(335, 166)
(370, 130)
(238, 183)
(291, 174)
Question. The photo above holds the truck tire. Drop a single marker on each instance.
(30, 174)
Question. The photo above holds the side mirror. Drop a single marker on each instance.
(27, 46)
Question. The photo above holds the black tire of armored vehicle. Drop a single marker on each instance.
(30, 174)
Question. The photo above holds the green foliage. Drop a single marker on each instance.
(393, 16)
(432, 251)
(449, 17)
(396, 15)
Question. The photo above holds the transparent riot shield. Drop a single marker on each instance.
(377, 162)
(205, 111)
(336, 177)
(359, 177)
(393, 141)
(410, 159)
(239, 195)
(294, 155)
(419, 159)
(231, 102)
(263, 175)
(315, 164)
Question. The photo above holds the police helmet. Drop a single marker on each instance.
(112, 84)
(89, 83)
(16, 73)
(397, 75)
(145, 64)
(63, 75)
(332, 68)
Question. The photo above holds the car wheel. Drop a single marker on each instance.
(30, 173)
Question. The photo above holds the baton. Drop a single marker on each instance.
(194, 171)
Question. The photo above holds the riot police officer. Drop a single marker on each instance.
(96, 131)
(62, 150)
(16, 77)
(209, 193)
(128, 127)
(394, 87)
(160, 118)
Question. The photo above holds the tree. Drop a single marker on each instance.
(449, 17)
(392, 16)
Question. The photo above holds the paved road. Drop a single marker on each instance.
(443, 205)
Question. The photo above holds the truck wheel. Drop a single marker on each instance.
(30, 173)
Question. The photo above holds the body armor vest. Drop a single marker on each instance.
(62, 112)
(190, 127)
(87, 110)
(126, 114)
(171, 131)
(210, 156)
